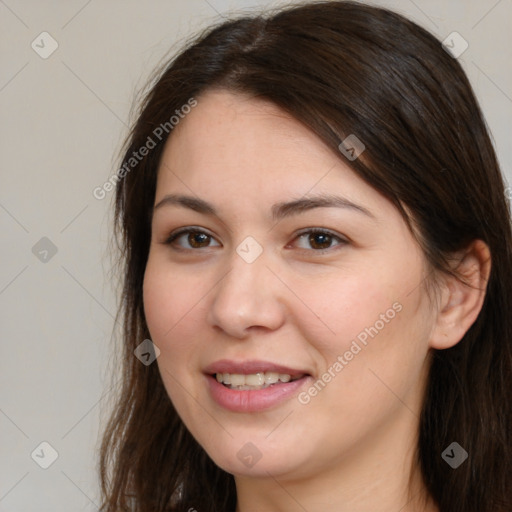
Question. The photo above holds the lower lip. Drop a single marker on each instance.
(253, 400)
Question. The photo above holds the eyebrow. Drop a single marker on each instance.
(279, 210)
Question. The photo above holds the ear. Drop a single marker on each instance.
(461, 300)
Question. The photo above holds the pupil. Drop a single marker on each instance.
(198, 239)
(320, 240)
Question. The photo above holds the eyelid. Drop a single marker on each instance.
(341, 239)
(188, 229)
(321, 230)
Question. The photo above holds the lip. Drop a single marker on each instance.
(253, 400)
(250, 366)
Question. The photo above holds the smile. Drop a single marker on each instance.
(252, 385)
(253, 381)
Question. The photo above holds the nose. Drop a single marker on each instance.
(249, 297)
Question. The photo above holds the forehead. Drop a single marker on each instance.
(233, 146)
(232, 126)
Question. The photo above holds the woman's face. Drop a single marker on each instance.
(271, 260)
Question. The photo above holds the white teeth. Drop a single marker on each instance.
(271, 377)
(258, 380)
(236, 379)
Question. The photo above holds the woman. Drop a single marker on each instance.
(317, 243)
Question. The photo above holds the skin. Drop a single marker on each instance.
(350, 448)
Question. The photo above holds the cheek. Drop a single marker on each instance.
(169, 297)
(341, 309)
(379, 344)
(171, 307)
(375, 320)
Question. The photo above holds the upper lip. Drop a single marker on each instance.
(251, 366)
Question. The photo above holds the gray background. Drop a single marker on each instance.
(63, 121)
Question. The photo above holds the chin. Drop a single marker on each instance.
(257, 459)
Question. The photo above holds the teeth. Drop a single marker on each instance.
(271, 377)
(259, 380)
(236, 379)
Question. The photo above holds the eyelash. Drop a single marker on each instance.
(308, 231)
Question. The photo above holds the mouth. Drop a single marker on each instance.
(254, 381)
(252, 386)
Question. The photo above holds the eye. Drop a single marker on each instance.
(188, 238)
(318, 240)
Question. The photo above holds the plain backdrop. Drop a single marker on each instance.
(63, 121)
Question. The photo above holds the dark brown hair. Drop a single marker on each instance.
(340, 68)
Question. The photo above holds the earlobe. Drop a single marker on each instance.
(462, 299)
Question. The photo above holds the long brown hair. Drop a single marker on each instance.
(340, 68)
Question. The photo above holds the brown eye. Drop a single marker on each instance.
(198, 240)
(192, 239)
(320, 240)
